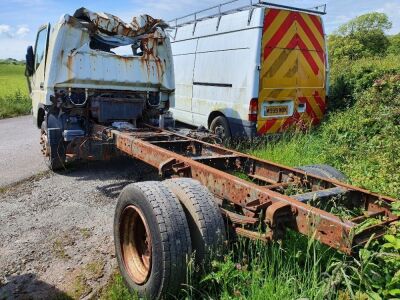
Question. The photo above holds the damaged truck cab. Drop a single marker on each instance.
(75, 76)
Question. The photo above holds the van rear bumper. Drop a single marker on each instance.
(242, 128)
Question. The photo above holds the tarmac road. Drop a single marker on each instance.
(20, 155)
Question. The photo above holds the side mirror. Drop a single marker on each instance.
(30, 62)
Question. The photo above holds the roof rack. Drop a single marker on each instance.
(252, 4)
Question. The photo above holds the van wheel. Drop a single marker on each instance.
(220, 127)
(53, 147)
(152, 240)
(206, 225)
(324, 171)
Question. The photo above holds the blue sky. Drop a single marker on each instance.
(19, 19)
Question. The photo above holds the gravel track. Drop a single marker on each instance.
(56, 230)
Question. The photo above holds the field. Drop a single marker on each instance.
(14, 99)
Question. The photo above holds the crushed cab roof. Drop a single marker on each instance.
(110, 29)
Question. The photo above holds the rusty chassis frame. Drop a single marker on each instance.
(253, 193)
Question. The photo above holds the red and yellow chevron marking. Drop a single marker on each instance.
(293, 68)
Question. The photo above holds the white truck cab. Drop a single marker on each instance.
(77, 80)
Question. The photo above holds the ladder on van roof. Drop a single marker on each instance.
(233, 6)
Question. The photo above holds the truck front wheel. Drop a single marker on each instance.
(53, 147)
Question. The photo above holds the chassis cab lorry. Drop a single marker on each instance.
(91, 102)
(252, 70)
(76, 79)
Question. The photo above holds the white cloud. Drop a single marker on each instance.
(13, 32)
(22, 31)
(5, 30)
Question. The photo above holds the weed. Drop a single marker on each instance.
(59, 249)
(116, 290)
(85, 232)
(94, 269)
(80, 287)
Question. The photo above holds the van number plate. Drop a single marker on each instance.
(277, 110)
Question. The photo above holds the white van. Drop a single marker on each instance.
(251, 70)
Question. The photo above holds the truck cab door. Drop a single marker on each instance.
(38, 92)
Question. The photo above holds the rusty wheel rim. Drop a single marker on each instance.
(45, 143)
(135, 244)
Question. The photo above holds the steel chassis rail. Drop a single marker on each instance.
(253, 193)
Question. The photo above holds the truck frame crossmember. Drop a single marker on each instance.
(260, 198)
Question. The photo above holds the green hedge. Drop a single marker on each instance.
(348, 78)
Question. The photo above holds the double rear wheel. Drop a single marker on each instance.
(158, 228)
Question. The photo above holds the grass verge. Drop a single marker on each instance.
(14, 98)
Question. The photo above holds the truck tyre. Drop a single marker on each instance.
(220, 127)
(206, 225)
(53, 147)
(152, 239)
(324, 171)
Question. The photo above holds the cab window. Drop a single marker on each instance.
(40, 46)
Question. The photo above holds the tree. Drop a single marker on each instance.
(361, 36)
(345, 47)
(394, 47)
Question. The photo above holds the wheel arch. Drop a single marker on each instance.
(213, 115)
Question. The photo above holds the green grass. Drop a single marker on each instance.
(14, 98)
(256, 270)
(292, 150)
(116, 290)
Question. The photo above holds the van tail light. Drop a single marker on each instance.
(253, 110)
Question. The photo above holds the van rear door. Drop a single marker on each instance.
(293, 71)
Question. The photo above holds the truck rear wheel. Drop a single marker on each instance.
(206, 225)
(324, 171)
(152, 239)
(220, 127)
(53, 147)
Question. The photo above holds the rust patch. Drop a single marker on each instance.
(149, 47)
(70, 62)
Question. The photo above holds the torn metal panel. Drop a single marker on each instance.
(112, 25)
(82, 53)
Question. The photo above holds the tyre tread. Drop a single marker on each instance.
(174, 233)
(207, 214)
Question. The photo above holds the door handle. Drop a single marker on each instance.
(41, 85)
